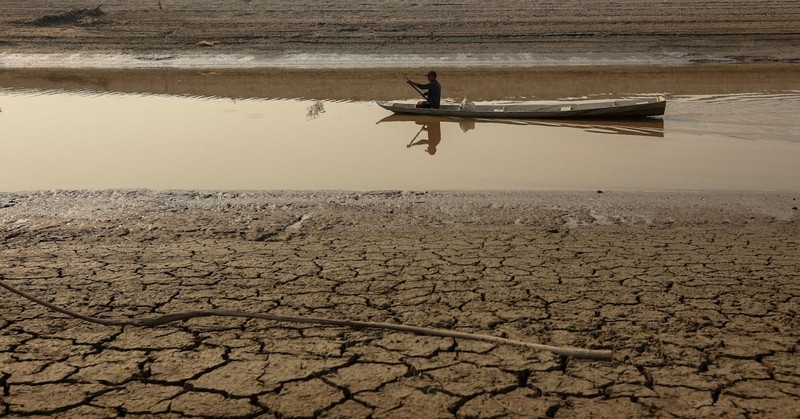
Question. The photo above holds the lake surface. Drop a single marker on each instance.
(89, 139)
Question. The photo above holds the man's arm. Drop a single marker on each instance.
(418, 86)
(425, 86)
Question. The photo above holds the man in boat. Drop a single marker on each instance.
(433, 95)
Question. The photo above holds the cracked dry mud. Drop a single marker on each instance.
(697, 294)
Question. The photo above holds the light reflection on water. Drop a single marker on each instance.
(62, 140)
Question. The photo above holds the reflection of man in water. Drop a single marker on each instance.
(434, 94)
(434, 130)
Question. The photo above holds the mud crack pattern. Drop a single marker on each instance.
(700, 304)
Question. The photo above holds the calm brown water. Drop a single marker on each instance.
(66, 139)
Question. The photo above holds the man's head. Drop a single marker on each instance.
(431, 75)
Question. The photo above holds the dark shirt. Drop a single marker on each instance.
(434, 93)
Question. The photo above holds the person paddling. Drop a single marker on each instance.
(433, 96)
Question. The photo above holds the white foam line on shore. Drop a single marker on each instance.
(303, 61)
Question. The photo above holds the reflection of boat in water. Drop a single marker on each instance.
(648, 127)
(623, 108)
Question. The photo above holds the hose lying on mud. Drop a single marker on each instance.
(595, 354)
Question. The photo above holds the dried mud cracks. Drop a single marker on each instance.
(700, 305)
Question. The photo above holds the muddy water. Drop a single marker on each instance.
(91, 139)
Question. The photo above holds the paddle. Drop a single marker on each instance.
(410, 83)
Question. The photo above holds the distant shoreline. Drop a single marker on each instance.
(513, 32)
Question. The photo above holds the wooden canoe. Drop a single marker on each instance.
(623, 108)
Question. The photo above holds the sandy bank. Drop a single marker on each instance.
(380, 84)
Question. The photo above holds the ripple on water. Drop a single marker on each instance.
(752, 116)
